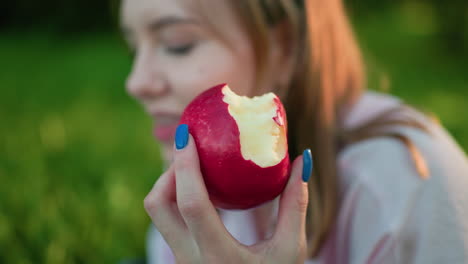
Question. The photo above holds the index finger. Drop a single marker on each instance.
(192, 197)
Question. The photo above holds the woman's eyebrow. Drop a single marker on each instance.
(163, 22)
(159, 24)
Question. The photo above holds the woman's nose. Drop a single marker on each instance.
(145, 81)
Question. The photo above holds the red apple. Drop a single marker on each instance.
(242, 146)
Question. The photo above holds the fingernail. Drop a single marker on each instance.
(181, 136)
(307, 165)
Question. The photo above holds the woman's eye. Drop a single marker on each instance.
(180, 49)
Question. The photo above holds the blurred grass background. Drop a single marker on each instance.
(76, 153)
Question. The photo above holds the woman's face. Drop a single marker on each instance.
(178, 55)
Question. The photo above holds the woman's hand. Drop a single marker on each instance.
(180, 209)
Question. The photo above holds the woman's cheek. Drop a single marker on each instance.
(211, 63)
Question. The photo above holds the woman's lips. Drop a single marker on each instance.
(165, 125)
(165, 133)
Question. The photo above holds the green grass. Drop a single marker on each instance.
(412, 64)
(77, 156)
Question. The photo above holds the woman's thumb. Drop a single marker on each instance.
(294, 200)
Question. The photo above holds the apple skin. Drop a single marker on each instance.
(232, 182)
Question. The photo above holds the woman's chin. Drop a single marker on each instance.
(167, 152)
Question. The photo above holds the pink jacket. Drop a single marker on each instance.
(388, 214)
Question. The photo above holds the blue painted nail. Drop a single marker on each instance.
(181, 136)
(307, 167)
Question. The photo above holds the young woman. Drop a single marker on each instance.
(389, 185)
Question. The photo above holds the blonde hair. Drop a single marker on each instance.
(329, 77)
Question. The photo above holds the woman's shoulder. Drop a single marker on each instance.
(381, 161)
(381, 190)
